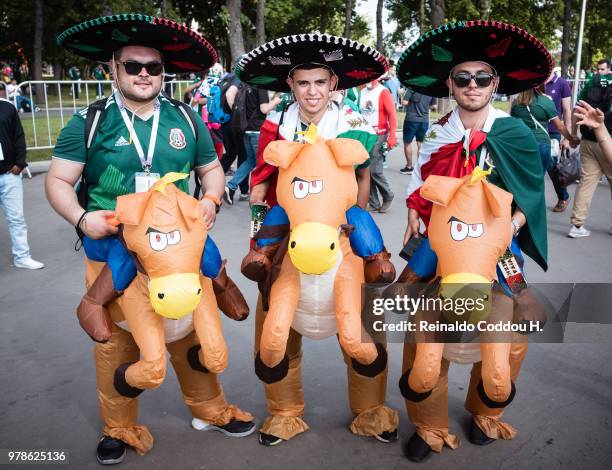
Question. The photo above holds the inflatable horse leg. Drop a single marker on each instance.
(92, 314)
(496, 389)
(211, 353)
(430, 415)
(272, 362)
(486, 418)
(425, 372)
(285, 398)
(368, 358)
(147, 329)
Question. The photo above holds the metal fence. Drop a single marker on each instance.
(44, 116)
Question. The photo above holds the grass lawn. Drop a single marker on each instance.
(46, 133)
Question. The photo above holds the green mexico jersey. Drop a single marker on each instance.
(112, 160)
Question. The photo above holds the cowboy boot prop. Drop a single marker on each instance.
(91, 312)
(229, 298)
(378, 269)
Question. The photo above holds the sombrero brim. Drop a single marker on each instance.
(183, 49)
(268, 66)
(520, 59)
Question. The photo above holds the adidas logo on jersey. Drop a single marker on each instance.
(121, 142)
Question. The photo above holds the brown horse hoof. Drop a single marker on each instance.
(193, 358)
(121, 385)
(229, 298)
(274, 374)
(408, 393)
(376, 367)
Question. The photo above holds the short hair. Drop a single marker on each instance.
(311, 66)
(604, 61)
(117, 52)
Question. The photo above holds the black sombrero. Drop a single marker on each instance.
(183, 49)
(520, 59)
(269, 65)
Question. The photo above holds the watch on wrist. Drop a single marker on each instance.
(214, 199)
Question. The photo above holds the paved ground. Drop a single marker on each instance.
(563, 408)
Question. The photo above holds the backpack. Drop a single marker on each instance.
(95, 114)
(214, 107)
(239, 117)
(599, 96)
(224, 85)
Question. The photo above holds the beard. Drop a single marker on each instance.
(473, 106)
(133, 93)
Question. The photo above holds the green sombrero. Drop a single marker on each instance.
(268, 65)
(520, 59)
(183, 49)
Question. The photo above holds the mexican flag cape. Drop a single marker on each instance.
(338, 121)
(509, 147)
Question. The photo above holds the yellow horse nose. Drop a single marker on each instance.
(472, 295)
(175, 295)
(313, 247)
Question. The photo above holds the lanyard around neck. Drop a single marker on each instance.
(148, 162)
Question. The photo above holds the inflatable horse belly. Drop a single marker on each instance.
(173, 329)
(315, 315)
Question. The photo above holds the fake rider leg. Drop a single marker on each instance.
(365, 237)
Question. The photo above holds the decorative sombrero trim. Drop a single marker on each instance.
(494, 51)
(315, 38)
(85, 25)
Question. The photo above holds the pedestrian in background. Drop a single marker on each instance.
(416, 123)
(12, 163)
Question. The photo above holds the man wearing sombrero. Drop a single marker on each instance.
(313, 66)
(470, 61)
(138, 136)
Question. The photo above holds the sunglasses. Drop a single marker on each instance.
(482, 79)
(133, 68)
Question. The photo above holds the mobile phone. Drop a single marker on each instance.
(411, 247)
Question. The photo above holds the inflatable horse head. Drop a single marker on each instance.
(316, 186)
(164, 228)
(469, 228)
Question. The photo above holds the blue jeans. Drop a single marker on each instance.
(244, 170)
(11, 201)
(561, 190)
(24, 103)
(547, 162)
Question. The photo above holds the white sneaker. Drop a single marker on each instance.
(578, 232)
(29, 263)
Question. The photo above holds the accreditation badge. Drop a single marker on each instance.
(176, 139)
(144, 181)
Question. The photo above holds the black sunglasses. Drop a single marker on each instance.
(133, 68)
(482, 79)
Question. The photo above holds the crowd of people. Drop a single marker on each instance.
(304, 90)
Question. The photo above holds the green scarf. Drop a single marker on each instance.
(518, 169)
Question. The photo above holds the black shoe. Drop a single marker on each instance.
(407, 170)
(269, 440)
(416, 449)
(234, 428)
(228, 196)
(244, 197)
(230, 172)
(110, 451)
(477, 437)
(387, 436)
